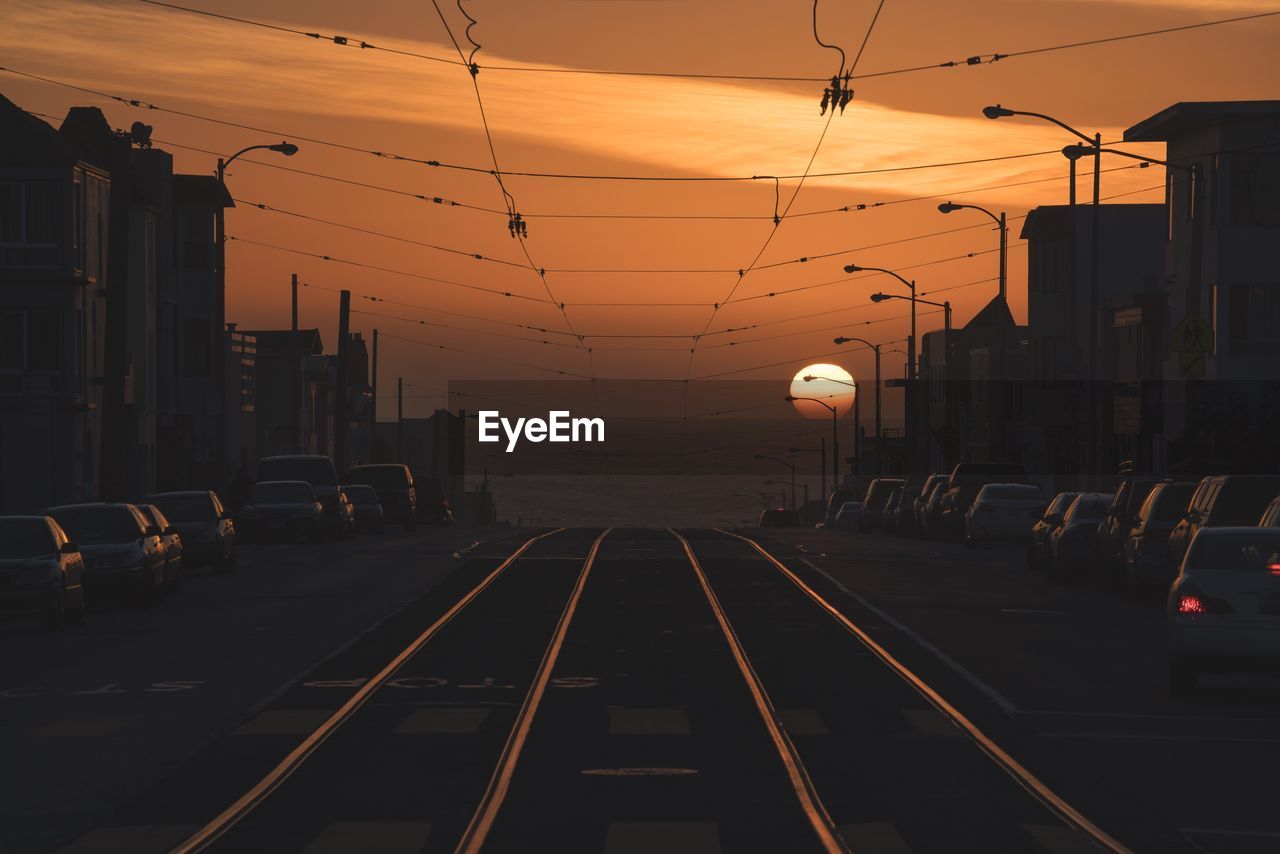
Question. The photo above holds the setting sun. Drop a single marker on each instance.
(821, 386)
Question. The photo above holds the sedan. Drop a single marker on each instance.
(121, 547)
(205, 525)
(1003, 511)
(1146, 551)
(847, 517)
(172, 542)
(1223, 611)
(368, 510)
(40, 571)
(1072, 548)
(283, 508)
(1045, 527)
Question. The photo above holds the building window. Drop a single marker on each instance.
(30, 341)
(197, 241)
(197, 353)
(1255, 189)
(29, 224)
(1253, 315)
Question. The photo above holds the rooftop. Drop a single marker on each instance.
(1186, 116)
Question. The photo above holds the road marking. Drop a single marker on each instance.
(370, 837)
(930, 722)
(991, 693)
(802, 722)
(810, 803)
(1021, 775)
(1059, 840)
(137, 839)
(284, 722)
(675, 837)
(639, 772)
(264, 787)
(455, 720)
(648, 722)
(500, 783)
(876, 837)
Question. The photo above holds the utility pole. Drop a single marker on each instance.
(373, 398)
(341, 409)
(399, 419)
(294, 286)
(822, 470)
(1093, 456)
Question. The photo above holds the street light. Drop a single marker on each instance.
(875, 348)
(288, 149)
(835, 432)
(949, 207)
(1094, 144)
(793, 500)
(911, 285)
(793, 474)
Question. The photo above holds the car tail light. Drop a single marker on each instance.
(1191, 604)
(1274, 568)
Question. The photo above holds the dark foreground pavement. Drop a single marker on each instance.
(642, 732)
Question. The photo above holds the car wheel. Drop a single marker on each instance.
(55, 617)
(1184, 677)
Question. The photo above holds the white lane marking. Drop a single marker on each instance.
(137, 839)
(991, 693)
(451, 720)
(648, 722)
(674, 837)
(370, 837)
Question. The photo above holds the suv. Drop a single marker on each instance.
(393, 483)
(1146, 549)
(966, 480)
(316, 470)
(1222, 500)
(873, 504)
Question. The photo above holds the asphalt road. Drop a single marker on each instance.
(897, 695)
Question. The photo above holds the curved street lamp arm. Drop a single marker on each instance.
(1052, 120)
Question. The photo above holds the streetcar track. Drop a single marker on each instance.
(216, 828)
(1071, 817)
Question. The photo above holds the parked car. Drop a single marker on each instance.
(120, 546)
(905, 514)
(368, 511)
(41, 571)
(1114, 530)
(1073, 547)
(889, 515)
(1146, 549)
(1271, 516)
(316, 470)
(776, 517)
(962, 487)
(284, 508)
(931, 517)
(847, 517)
(433, 502)
(836, 500)
(921, 499)
(1042, 531)
(171, 541)
(393, 483)
(1003, 511)
(1223, 610)
(1222, 501)
(205, 525)
(878, 492)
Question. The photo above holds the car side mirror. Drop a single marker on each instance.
(69, 548)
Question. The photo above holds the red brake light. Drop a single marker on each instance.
(1274, 568)
(1190, 605)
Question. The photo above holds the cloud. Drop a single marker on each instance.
(663, 126)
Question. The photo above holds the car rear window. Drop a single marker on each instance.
(390, 477)
(361, 494)
(282, 493)
(1246, 551)
(97, 525)
(1242, 501)
(1061, 502)
(1172, 501)
(1090, 509)
(1013, 491)
(25, 538)
(185, 508)
(317, 471)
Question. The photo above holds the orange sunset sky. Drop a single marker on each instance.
(295, 87)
